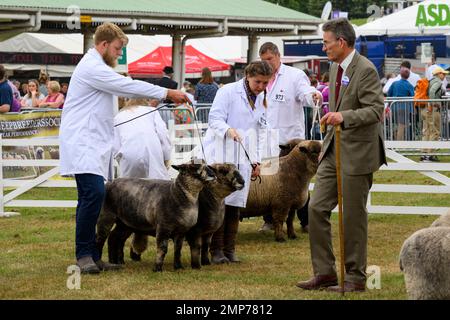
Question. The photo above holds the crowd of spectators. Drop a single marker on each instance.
(33, 94)
(414, 118)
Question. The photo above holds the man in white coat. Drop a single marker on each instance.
(289, 90)
(86, 133)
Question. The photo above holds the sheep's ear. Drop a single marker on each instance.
(303, 149)
(212, 168)
(178, 168)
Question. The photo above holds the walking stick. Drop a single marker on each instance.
(341, 217)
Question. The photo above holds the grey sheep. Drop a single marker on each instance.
(287, 189)
(212, 210)
(442, 221)
(210, 215)
(425, 261)
(160, 208)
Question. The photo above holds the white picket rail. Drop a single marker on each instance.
(392, 147)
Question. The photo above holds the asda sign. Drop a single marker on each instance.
(433, 15)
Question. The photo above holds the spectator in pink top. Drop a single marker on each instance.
(55, 98)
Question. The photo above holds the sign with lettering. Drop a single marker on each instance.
(433, 15)
(30, 125)
(40, 58)
(123, 58)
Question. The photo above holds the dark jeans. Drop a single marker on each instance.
(91, 193)
(302, 214)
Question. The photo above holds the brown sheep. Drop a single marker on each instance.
(277, 194)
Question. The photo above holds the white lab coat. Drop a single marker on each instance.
(86, 133)
(231, 109)
(142, 145)
(290, 92)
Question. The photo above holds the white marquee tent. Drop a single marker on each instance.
(429, 17)
(230, 47)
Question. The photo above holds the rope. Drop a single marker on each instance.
(144, 114)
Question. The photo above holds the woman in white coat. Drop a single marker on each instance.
(142, 146)
(237, 120)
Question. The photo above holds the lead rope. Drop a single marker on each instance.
(198, 131)
(249, 160)
(144, 114)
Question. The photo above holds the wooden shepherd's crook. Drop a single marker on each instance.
(341, 216)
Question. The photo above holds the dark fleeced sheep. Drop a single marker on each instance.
(160, 208)
(288, 188)
(210, 215)
(212, 210)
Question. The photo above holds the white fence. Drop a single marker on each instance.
(181, 155)
(401, 163)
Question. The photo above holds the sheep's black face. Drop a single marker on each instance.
(228, 175)
(201, 172)
(238, 181)
(289, 146)
(312, 151)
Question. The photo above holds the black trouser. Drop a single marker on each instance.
(302, 214)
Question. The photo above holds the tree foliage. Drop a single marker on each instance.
(355, 8)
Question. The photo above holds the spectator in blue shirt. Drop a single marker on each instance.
(206, 89)
(6, 94)
(401, 111)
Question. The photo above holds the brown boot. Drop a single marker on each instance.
(216, 248)
(87, 265)
(231, 223)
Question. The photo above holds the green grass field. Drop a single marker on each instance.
(38, 246)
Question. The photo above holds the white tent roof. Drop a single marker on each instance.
(404, 22)
(230, 47)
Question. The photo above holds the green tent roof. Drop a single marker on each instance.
(253, 9)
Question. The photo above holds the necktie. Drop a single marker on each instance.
(338, 84)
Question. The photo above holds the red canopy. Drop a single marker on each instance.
(154, 62)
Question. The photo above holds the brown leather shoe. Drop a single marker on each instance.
(349, 287)
(318, 282)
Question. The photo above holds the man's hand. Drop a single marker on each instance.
(332, 118)
(233, 134)
(177, 96)
(317, 97)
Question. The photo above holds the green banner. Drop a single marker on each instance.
(30, 125)
(123, 58)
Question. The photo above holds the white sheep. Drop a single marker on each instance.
(425, 261)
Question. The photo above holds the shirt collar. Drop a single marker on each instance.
(347, 60)
(96, 54)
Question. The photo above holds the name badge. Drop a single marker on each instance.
(280, 97)
(263, 121)
(345, 81)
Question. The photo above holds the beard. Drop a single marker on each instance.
(109, 59)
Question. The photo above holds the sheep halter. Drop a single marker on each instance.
(341, 216)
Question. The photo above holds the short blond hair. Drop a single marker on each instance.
(137, 102)
(109, 32)
(54, 86)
